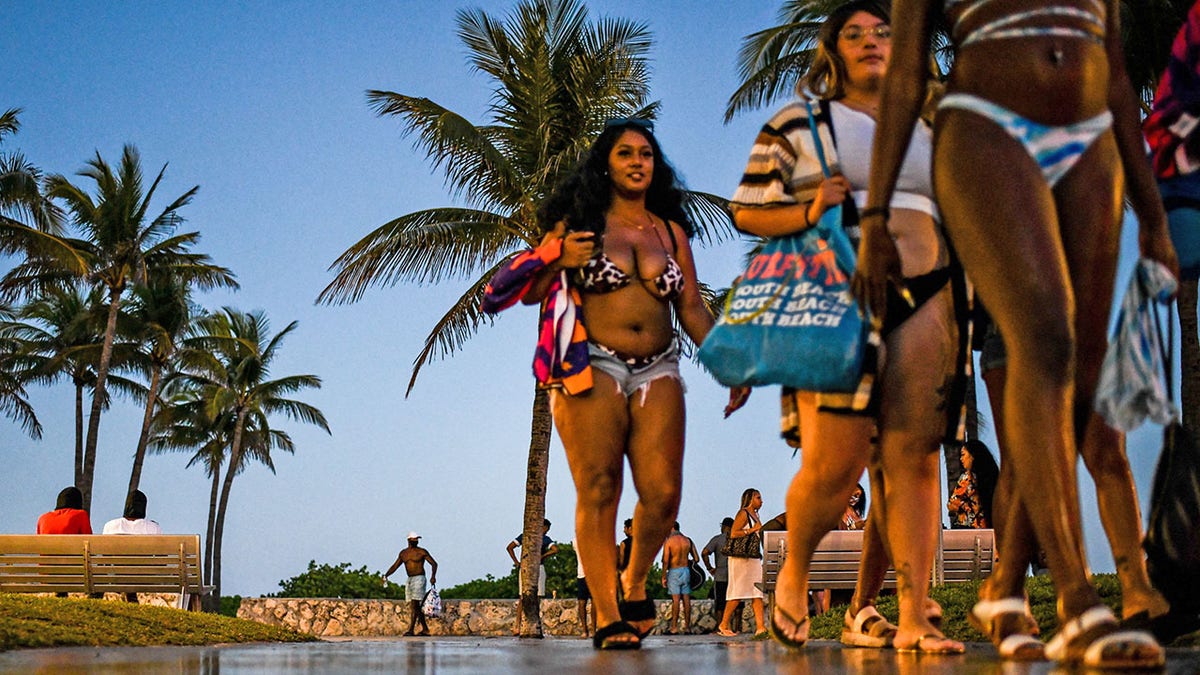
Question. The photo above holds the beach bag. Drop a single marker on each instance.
(1181, 198)
(790, 319)
(1130, 387)
(1173, 535)
(1172, 541)
(432, 605)
(748, 546)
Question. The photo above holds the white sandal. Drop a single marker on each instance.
(1015, 646)
(1099, 618)
(868, 628)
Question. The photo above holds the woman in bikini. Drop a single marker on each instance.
(623, 239)
(782, 192)
(1030, 141)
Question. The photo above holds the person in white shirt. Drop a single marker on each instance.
(134, 521)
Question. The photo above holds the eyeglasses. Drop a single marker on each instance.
(856, 34)
(629, 122)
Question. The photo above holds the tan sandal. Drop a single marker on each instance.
(868, 629)
(1009, 624)
(1095, 639)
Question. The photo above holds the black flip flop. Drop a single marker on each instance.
(599, 640)
(638, 610)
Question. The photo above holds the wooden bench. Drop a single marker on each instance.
(962, 555)
(97, 563)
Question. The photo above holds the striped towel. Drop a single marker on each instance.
(1132, 385)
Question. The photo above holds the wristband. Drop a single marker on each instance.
(874, 211)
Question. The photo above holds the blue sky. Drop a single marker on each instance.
(262, 105)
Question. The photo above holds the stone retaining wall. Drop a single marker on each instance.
(335, 617)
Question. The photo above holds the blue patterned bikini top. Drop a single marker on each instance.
(1016, 25)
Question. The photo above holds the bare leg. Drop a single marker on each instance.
(656, 465)
(872, 568)
(917, 371)
(834, 452)
(1014, 531)
(593, 427)
(1006, 229)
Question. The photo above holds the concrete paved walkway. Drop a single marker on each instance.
(460, 655)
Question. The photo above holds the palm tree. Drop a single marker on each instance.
(556, 77)
(226, 363)
(14, 402)
(62, 335)
(30, 223)
(162, 312)
(122, 245)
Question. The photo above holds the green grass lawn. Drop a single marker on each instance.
(30, 621)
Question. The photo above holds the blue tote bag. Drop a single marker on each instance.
(790, 318)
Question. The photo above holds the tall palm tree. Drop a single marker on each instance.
(162, 311)
(556, 76)
(62, 334)
(185, 424)
(227, 363)
(121, 245)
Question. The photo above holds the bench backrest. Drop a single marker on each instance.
(964, 555)
(93, 563)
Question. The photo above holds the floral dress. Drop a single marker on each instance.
(964, 504)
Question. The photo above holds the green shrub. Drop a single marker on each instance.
(229, 605)
(338, 581)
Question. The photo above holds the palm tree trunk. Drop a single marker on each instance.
(208, 603)
(535, 513)
(1190, 357)
(78, 432)
(210, 533)
(235, 459)
(98, 396)
(139, 456)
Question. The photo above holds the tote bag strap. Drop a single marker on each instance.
(820, 148)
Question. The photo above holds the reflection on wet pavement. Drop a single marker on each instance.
(685, 654)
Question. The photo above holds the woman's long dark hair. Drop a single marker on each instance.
(861, 507)
(987, 474)
(583, 197)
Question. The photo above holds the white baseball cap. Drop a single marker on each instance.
(413, 535)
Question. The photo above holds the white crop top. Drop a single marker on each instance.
(855, 131)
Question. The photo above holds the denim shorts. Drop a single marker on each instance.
(679, 580)
(631, 378)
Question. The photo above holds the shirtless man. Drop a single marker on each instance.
(678, 553)
(413, 558)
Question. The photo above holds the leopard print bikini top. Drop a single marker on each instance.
(601, 275)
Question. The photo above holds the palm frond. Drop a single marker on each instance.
(424, 247)
(456, 326)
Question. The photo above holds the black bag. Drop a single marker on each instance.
(1173, 534)
(747, 546)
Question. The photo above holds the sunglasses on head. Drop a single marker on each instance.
(629, 121)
